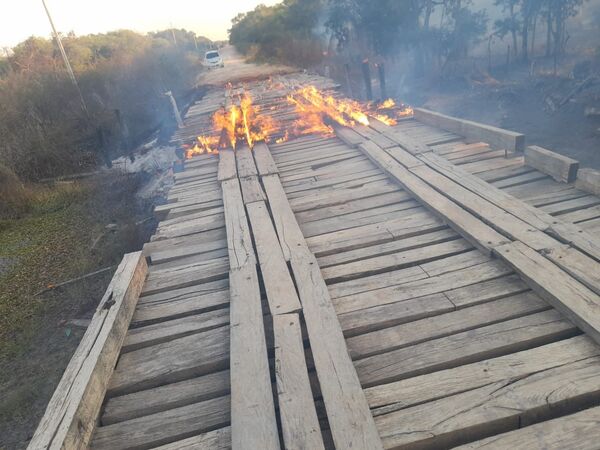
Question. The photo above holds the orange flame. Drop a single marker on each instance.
(312, 106)
(203, 144)
(316, 112)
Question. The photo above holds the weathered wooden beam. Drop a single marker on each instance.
(588, 180)
(496, 137)
(559, 167)
(579, 430)
(299, 421)
(71, 415)
(549, 281)
(253, 417)
(350, 420)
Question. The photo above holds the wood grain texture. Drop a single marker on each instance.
(559, 167)
(168, 396)
(402, 394)
(494, 408)
(348, 413)
(239, 241)
(465, 347)
(472, 228)
(279, 287)
(565, 293)
(588, 180)
(227, 168)
(164, 427)
(580, 430)
(496, 137)
(253, 419)
(299, 420)
(264, 160)
(213, 440)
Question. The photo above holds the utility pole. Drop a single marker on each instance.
(65, 59)
(173, 34)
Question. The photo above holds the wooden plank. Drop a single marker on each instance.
(171, 254)
(537, 218)
(264, 160)
(352, 206)
(495, 217)
(182, 302)
(164, 427)
(349, 136)
(340, 197)
(213, 440)
(359, 218)
(299, 420)
(496, 137)
(279, 287)
(286, 226)
(227, 169)
(465, 347)
(580, 430)
(162, 398)
(588, 180)
(171, 329)
(411, 145)
(251, 190)
(349, 417)
(494, 408)
(382, 232)
(478, 233)
(562, 291)
(71, 414)
(239, 242)
(401, 394)
(409, 243)
(418, 331)
(382, 289)
(245, 163)
(171, 361)
(190, 227)
(383, 263)
(559, 167)
(253, 419)
(184, 276)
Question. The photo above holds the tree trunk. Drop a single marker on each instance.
(533, 33)
(525, 37)
(549, 33)
(514, 30)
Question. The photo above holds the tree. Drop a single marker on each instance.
(557, 13)
(510, 24)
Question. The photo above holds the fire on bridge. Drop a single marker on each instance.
(316, 111)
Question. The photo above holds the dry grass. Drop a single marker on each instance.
(18, 199)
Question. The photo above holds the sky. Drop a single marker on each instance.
(20, 19)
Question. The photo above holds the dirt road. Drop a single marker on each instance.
(237, 69)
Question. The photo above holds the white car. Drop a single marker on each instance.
(213, 59)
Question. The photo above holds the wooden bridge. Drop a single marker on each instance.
(429, 285)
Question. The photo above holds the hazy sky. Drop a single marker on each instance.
(20, 19)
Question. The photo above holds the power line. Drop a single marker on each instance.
(65, 59)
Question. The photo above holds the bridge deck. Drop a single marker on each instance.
(334, 292)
